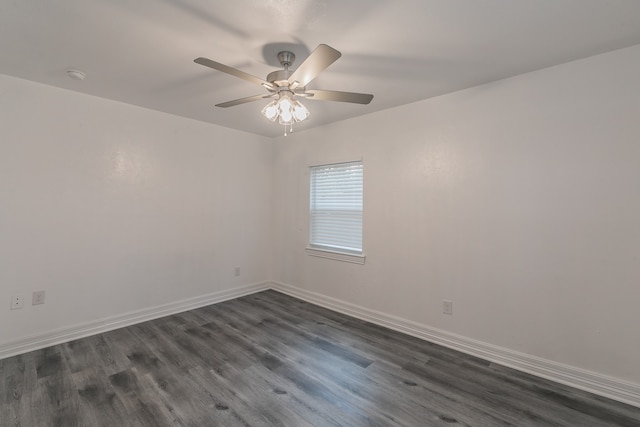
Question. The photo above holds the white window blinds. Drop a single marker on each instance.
(336, 207)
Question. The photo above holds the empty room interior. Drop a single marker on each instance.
(320, 213)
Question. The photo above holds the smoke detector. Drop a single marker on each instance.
(76, 74)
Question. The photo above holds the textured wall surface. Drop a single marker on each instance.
(518, 200)
(111, 208)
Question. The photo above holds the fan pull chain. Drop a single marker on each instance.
(290, 128)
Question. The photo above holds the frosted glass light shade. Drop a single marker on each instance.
(270, 111)
(286, 117)
(300, 112)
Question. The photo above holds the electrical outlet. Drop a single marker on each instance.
(236, 272)
(37, 298)
(17, 301)
(447, 307)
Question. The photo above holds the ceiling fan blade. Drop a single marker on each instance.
(316, 62)
(242, 101)
(332, 95)
(233, 71)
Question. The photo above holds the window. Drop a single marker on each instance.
(335, 211)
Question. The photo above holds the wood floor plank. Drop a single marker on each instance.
(268, 359)
(99, 404)
(17, 378)
(108, 358)
(164, 346)
(55, 400)
(188, 407)
(79, 354)
(142, 407)
(232, 407)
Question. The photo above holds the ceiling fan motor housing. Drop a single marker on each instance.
(286, 58)
(280, 78)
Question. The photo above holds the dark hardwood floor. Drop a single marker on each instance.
(269, 359)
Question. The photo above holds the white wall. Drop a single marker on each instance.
(111, 208)
(518, 200)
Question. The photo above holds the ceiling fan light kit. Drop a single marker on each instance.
(285, 109)
(286, 85)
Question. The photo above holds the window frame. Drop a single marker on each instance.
(327, 251)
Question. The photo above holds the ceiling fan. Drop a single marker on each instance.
(285, 86)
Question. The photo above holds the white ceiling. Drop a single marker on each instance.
(141, 51)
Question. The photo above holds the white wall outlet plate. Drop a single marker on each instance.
(447, 307)
(17, 301)
(37, 297)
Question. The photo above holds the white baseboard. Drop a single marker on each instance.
(82, 330)
(599, 384)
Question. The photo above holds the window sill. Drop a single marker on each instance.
(338, 256)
